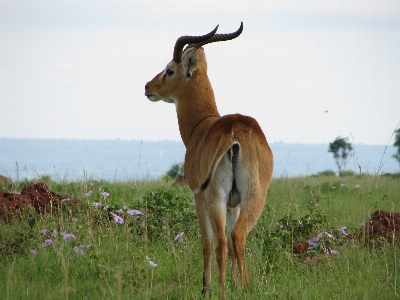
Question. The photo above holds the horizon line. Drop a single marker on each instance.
(174, 141)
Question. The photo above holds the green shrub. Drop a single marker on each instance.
(327, 173)
(176, 170)
(15, 239)
(393, 175)
(289, 231)
(347, 173)
(167, 209)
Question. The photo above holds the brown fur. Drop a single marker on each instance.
(208, 138)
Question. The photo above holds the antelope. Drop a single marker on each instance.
(228, 162)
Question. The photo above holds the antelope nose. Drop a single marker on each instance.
(145, 89)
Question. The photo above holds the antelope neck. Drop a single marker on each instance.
(198, 121)
(195, 118)
(196, 109)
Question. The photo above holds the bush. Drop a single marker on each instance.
(15, 239)
(347, 173)
(176, 170)
(289, 231)
(327, 173)
(393, 175)
(167, 209)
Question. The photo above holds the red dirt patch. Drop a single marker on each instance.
(38, 196)
(300, 248)
(383, 224)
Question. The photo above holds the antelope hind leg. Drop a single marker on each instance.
(231, 219)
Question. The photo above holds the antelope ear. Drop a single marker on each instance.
(189, 61)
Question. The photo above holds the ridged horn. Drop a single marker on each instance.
(219, 38)
(187, 39)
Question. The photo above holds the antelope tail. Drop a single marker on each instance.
(233, 154)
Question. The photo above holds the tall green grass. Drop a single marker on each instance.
(116, 265)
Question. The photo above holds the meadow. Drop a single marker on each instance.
(141, 240)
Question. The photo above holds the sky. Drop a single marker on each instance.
(308, 71)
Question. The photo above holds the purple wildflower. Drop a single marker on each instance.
(78, 251)
(134, 212)
(75, 219)
(105, 194)
(117, 218)
(341, 230)
(179, 235)
(85, 246)
(68, 236)
(342, 184)
(329, 235)
(44, 231)
(96, 204)
(88, 193)
(33, 251)
(328, 251)
(152, 264)
(314, 240)
(333, 187)
(357, 186)
(334, 252)
(55, 233)
(300, 223)
(47, 242)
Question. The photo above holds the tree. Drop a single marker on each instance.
(176, 170)
(341, 152)
(397, 144)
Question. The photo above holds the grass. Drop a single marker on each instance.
(115, 265)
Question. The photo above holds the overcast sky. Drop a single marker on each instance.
(308, 71)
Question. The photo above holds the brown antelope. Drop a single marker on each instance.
(228, 162)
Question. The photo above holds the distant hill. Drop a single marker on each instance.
(126, 160)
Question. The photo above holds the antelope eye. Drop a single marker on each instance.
(169, 72)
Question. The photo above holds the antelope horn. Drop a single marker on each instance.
(218, 38)
(187, 39)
